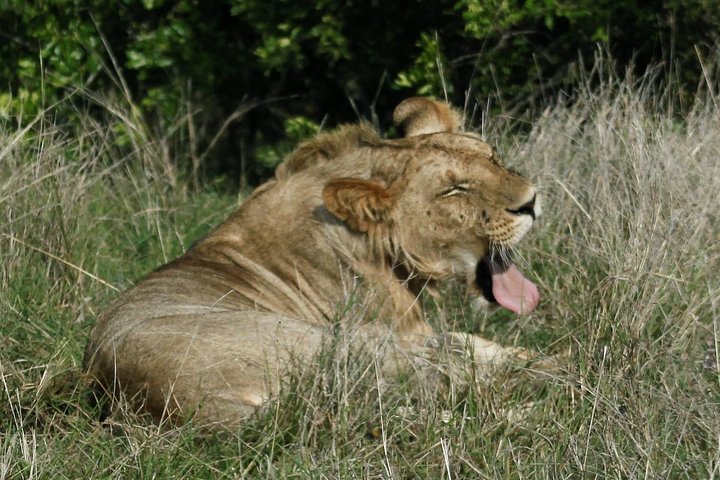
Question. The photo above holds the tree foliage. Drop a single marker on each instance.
(326, 62)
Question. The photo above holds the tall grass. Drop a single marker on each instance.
(626, 254)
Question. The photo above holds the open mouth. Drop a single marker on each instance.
(501, 282)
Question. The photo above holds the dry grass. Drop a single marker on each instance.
(627, 255)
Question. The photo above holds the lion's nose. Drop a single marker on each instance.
(527, 208)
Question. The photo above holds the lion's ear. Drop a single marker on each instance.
(362, 204)
(418, 116)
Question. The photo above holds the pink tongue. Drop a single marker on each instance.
(515, 292)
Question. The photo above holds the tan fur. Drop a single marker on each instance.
(419, 116)
(215, 332)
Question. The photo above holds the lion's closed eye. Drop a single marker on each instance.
(457, 189)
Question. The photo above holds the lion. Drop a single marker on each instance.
(214, 333)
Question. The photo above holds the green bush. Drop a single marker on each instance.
(204, 61)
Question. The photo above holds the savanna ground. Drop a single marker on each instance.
(627, 256)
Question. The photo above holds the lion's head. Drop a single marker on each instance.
(447, 204)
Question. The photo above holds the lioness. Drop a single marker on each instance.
(348, 212)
